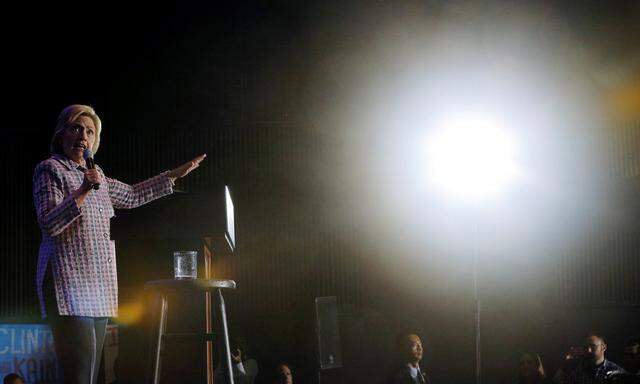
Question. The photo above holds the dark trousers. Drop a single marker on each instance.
(78, 340)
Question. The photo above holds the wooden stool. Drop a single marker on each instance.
(163, 287)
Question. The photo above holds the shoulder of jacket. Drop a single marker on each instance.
(49, 164)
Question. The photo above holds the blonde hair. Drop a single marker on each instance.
(69, 115)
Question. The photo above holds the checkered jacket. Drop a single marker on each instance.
(76, 239)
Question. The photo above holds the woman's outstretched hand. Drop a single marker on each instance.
(185, 168)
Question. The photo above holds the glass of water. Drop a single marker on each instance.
(185, 264)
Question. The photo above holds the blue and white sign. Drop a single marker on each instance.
(27, 349)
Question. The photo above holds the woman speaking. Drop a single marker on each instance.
(76, 279)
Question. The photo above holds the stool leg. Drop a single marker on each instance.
(225, 334)
(161, 331)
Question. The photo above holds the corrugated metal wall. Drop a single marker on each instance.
(603, 271)
(20, 236)
(604, 268)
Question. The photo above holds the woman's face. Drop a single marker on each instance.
(528, 365)
(78, 136)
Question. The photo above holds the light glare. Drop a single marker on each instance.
(470, 158)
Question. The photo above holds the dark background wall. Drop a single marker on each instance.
(264, 88)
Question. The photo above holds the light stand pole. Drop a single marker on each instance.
(471, 156)
(476, 297)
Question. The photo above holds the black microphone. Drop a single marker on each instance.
(88, 159)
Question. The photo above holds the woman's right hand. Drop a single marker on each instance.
(91, 177)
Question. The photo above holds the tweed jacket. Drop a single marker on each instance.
(76, 242)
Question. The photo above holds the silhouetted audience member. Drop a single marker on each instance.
(245, 368)
(13, 378)
(531, 370)
(283, 374)
(631, 360)
(409, 356)
(571, 359)
(631, 364)
(591, 367)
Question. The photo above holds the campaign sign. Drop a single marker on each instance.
(27, 349)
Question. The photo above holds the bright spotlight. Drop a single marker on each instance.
(470, 157)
